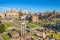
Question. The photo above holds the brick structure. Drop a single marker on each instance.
(12, 14)
(2, 14)
(14, 35)
(35, 18)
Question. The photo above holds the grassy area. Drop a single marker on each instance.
(6, 37)
(51, 22)
(8, 30)
(42, 23)
(34, 34)
(31, 25)
(2, 28)
(7, 24)
(56, 35)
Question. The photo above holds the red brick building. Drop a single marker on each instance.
(35, 18)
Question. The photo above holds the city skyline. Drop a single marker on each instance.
(31, 5)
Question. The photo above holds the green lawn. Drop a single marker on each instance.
(34, 34)
(6, 37)
(7, 24)
(31, 25)
(8, 30)
(42, 23)
(2, 28)
(56, 35)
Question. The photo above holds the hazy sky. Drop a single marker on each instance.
(31, 5)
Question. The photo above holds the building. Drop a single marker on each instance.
(29, 17)
(2, 14)
(23, 12)
(54, 13)
(35, 18)
(58, 15)
(12, 14)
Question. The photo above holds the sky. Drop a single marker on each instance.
(30, 5)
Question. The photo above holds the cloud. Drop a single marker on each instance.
(6, 8)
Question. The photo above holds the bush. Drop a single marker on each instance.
(2, 28)
(6, 37)
(7, 24)
(30, 25)
(30, 21)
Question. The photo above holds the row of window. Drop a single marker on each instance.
(13, 15)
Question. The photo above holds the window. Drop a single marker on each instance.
(15, 15)
(12, 15)
(5, 15)
(9, 15)
(0, 16)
